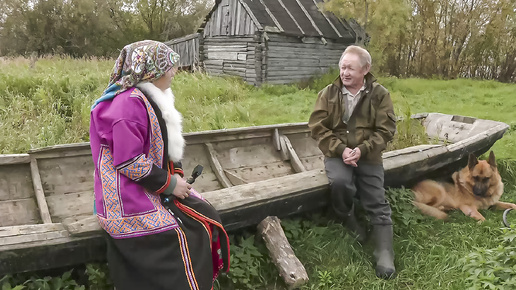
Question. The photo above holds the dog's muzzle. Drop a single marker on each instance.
(480, 190)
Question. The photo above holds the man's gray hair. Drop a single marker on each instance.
(363, 54)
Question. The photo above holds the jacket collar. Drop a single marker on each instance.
(369, 79)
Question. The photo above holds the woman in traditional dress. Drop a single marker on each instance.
(160, 233)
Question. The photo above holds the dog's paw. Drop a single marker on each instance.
(441, 215)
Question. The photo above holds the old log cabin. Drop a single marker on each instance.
(272, 41)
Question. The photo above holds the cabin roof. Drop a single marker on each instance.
(294, 17)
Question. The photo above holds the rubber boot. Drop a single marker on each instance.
(354, 226)
(383, 252)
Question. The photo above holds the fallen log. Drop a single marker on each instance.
(289, 266)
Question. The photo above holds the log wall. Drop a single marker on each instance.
(291, 59)
(234, 56)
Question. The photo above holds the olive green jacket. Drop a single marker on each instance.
(371, 125)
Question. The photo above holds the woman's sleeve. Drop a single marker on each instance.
(129, 159)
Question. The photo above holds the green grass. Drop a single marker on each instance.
(49, 104)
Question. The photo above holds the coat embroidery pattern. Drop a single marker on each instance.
(114, 221)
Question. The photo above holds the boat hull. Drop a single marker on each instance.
(46, 196)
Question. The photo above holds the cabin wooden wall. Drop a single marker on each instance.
(229, 19)
(232, 42)
(188, 48)
(290, 59)
(235, 56)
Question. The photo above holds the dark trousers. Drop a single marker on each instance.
(365, 183)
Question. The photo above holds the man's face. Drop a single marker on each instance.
(351, 71)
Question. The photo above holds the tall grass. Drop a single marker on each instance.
(50, 103)
(47, 104)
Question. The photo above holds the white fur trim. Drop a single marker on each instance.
(173, 119)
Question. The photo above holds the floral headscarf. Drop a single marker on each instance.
(145, 60)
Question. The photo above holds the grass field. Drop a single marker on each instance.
(49, 104)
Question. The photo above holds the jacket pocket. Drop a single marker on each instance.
(134, 199)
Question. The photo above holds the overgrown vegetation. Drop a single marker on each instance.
(444, 39)
(93, 27)
(90, 276)
(49, 104)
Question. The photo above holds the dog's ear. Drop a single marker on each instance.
(492, 160)
(473, 161)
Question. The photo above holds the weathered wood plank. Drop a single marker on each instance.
(63, 206)
(224, 39)
(14, 159)
(235, 180)
(83, 227)
(313, 162)
(263, 172)
(47, 254)
(215, 164)
(199, 155)
(224, 55)
(67, 174)
(281, 196)
(15, 182)
(19, 212)
(234, 47)
(64, 148)
(243, 134)
(29, 229)
(38, 191)
(248, 152)
(247, 195)
(19, 240)
(290, 268)
(242, 205)
(291, 72)
(294, 159)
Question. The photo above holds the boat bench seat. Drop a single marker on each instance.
(247, 204)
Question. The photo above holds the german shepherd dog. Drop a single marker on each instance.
(477, 186)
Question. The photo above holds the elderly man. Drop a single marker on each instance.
(352, 122)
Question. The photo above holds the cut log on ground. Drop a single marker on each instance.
(289, 266)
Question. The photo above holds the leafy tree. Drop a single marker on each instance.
(386, 21)
(167, 19)
(445, 38)
(92, 27)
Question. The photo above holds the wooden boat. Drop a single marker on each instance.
(46, 195)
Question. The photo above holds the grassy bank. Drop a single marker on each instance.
(49, 104)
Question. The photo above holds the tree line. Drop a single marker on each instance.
(93, 27)
(424, 38)
(438, 38)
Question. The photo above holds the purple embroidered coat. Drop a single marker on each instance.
(129, 153)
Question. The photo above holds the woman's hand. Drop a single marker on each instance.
(182, 189)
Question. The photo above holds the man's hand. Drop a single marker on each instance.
(351, 156)
(182, 189)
